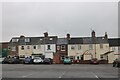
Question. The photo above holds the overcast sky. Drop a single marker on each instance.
(59, 18)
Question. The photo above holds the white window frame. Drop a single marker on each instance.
(22, 47)
(51, 39)
(13, 48)
(28, 47)
(90, 46)
(34, 47)
(101, 46)
(15, 40)
(58, 47)
(48, 47)
(27, 39)
(39, 46)
(73, 47)
(79, 47)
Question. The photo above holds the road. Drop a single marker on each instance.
(59, 71)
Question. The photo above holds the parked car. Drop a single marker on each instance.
(47, 61)
(37, 60)
(67, 60)
(6, 60)
(94, 61)
(11, 60)
(116, 62)
(28, 60)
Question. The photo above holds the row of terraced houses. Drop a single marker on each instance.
(77, 48)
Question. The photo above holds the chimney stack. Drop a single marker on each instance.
(22, 36)
(46, 34)
(106, 36)
(93, 34)
(68, 36)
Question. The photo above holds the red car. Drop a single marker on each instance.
(94, 61)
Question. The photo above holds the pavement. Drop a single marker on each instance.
(59, 71)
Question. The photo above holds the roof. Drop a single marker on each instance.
(62, 41)
(75, 41)
(34, 40)
(97, 40)
(88, 40)
(114, 41)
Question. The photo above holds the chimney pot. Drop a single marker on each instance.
(46, 34)
(93, 34)
(106, 36)
(68, 36)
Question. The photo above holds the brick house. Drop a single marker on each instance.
(4, 49)
(61, 50)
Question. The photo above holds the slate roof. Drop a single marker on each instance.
(34, 40)
(56, 40)
(88, 40)
(75, 41)
(62, 41)
(97, 40)
(114, 41)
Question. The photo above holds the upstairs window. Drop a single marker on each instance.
(13, 48)
(15, 40)
(113, 48)
(72, 47)
(48, 47)
(39, 46)
(22, 47)
(28, 47)
(51, 39)
(40, 39)
(63, 48)
(27, 39)
(101, 46)
(34, 47)
(79, 47)
(9, 48)
(58, 47)
(90, 46)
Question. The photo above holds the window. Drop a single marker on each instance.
(48, 47)
(90, 46)
(72, 57)
(63, 48)
(113, 48)
(13, 48)
(28, 47)
(40, 39)
(101, 46)
(78, 57)
(51, 39)
(39, 46)
(34, 47)
(62, 57)
(58, 47)
(27, 39)
(22, 56)
(101, 56)
(15, 40)
(22, 47)
(79, 47)
(72, 47)
(9, 48)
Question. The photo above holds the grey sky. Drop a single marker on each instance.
(59, 18)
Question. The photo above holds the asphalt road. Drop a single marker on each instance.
(59, 71)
